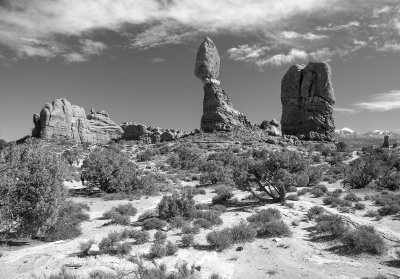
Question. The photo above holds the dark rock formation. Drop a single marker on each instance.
(60, 119)
(385, 142)
(307, 102)
(137, 131)
(218, 113)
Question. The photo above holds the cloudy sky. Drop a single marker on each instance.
(135, 58)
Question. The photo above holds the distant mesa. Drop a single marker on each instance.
(307, 98)
(218, 112)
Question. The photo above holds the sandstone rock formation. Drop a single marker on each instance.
(60, 119)
(307, 98)
(218, 113)
(385, 142)
(137, 131)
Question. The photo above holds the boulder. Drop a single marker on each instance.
(207, 60)
(167, 136)
(155, 137)
(133, 131)
(93, 250)
(218, 113)
(60, 119)
(271, 128)
(307, 98)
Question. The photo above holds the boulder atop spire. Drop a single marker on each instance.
(207, 60)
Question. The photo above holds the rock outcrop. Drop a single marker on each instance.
(385, 142)
(218, 113)
(271, 127)
(307, 102)
(137, 131)
(60, 119)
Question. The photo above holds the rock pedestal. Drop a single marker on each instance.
(385, 142)
(307, 98)
(218, 113)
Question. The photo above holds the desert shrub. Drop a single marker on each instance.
(293, 197)
(140, 237)
(171, 248)
(361, 172)
(371, 213)
(187, 240)
(302, 192)
(148, 214)
(111, 244)
(68, 222)
(317, 192)
(212, 216)
(146, 155)
(111, 171)
(177, 222)
(315, 175)
(176, 205)
(218, 207)
(158, 250)
(242, 232)
(389, 209)
(187, 158)
(202, 206)
(332, 225)
(71, 156)
(363, 240)
(333, 194)
(202, 223)
(352, 197)
(85, 246)
(344, 209)
(390, 181)
(274, 228)
(291, 189)
(63, 274)
(265, 215)
(101, 274)
(220, 240)
(160, 237)
(335, 202)
(359, 206)
(213, 172)
(289, 204)
(121, 214)
(31, 190)
(153, 224)
(188, 229)
(160, 272)
(269, 174)
(224, 193)
(315, 211)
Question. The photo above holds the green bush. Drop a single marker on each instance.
(332, 225)
(390, 181)
(265, 215)
(121, 214)
(363, 240)
(111, 171)
(220, 240)
(293, 197)
(315, 211)
(187, 240)
(242, 232)
(31, 190)
(176, 205)
(275, 228)
(68, 222)
(302, 192)
(85, 246)
(171, 248)
(158, 250)
(111, 244)
(160, 237)
(361, 172)
(187, 229)
(140, 237)
(153, 224)
(177, 222)
(224, 194)
(352, 197)
(389, 209)
(202, 223)
(359, 206)
(212, 216)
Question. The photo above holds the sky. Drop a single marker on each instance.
(135, 58)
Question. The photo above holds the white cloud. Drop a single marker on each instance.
(332, 27)
(247, 53)
(345, 110)
(282, 58)
(382, 102)
(308, 36)
(158, 60)
(390, 47)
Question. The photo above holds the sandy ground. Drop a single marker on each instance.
(295, 257)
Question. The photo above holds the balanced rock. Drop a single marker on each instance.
(218, 113)
(307, 98)
(60, 119)
(207, 60)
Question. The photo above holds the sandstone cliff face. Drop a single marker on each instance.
(218, 113)
(60, 119)
(307, 98)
